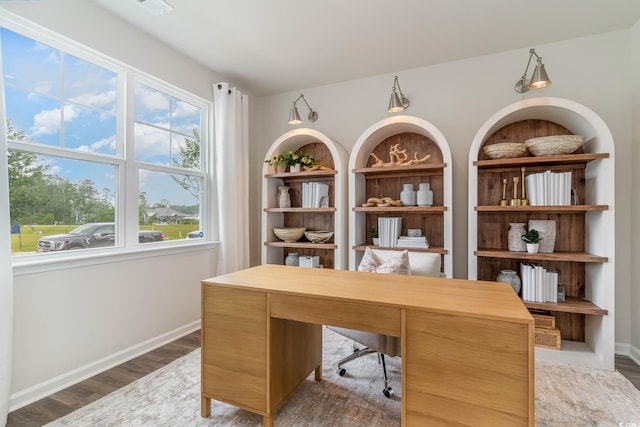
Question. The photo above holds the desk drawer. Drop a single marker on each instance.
(366, 317)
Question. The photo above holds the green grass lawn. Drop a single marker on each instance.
(27, 240)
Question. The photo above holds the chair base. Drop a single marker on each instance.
(387, 391)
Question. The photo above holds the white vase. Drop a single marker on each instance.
(424, 196)
(516, 230)
(533, 248)
(408, 195)
(284, 199)
(376, 241)
(294, 168)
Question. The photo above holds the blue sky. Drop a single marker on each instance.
(76, 109)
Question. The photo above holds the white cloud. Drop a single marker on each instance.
(47, 122)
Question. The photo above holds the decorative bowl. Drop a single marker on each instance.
(289, 234)
(318, 236)
(554, 144)
(505, 150)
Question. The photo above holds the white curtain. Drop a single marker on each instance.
(231, 144)
(6, 273)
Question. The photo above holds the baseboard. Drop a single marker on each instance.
(46, 388)
(634, 354)
(622, 349)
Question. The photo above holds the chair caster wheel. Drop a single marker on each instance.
(388, 392)
(342, 372)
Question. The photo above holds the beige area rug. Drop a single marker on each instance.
(565, 396)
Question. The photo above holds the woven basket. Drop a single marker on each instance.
(548, 338)
(554, 145)
(505, 150)
(289, 234)
(544, 321)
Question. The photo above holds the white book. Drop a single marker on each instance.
(532, 193)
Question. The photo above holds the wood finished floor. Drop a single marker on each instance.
(68, 400)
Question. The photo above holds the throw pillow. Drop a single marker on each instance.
(372, 263)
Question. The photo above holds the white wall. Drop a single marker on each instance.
(458, 97)
(635, 196)
(72, 322)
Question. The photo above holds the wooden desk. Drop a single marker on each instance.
(467, 346)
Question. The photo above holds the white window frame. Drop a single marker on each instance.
(127, 177)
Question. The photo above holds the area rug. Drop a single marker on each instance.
(565, 396)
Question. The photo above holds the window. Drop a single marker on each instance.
(71, 158)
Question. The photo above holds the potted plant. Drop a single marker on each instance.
(373, 232)
(296, 159)
(279, 162)
(532, 239)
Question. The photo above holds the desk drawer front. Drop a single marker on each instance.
(366, 317)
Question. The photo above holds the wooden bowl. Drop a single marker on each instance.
(554, 145)
(505, 150)
(318, 236)
(289, 234)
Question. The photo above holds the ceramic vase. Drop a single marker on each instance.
(408, 195)
(284, 198)
(292, 259)
(510, 277)
(424, 196)
(516, 230)
(294, 168)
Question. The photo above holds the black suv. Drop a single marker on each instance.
(92, 235)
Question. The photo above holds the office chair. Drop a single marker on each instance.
(417, 264)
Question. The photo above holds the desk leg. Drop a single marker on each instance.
(205, 408)
(267, 421)
(318, 373)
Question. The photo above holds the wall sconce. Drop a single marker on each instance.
(539, 78)
(294, 116)
(397, 103)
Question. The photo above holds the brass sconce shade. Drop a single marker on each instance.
(539, 78)
(397, 102)
(294, 115)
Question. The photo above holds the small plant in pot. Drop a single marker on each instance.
(279, 162)
(373, 232)
(532, 239)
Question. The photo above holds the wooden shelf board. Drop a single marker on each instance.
(560, 159)
(571, 305)
(543, 209)
(301, 210)
(395, 169)
(555, 256)
(311, 174)
(402, 209)
(431, 249)
(302, 245)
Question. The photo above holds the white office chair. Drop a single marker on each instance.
(420, 264)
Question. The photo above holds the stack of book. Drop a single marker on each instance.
(309, 261)
(315, 195)
(412, 242)
(538, 284)
(549, 188)
(389, 231)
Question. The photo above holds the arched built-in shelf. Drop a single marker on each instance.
(365, 181)
(585, 241)
(333, 254)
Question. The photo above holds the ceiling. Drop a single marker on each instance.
(274, 46)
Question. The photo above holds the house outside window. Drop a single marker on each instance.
(75, 151)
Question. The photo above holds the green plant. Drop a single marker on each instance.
(531, 236)
(373, 232)
(276, 161)
(292, 158)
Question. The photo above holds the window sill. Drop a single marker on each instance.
(50, 262)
